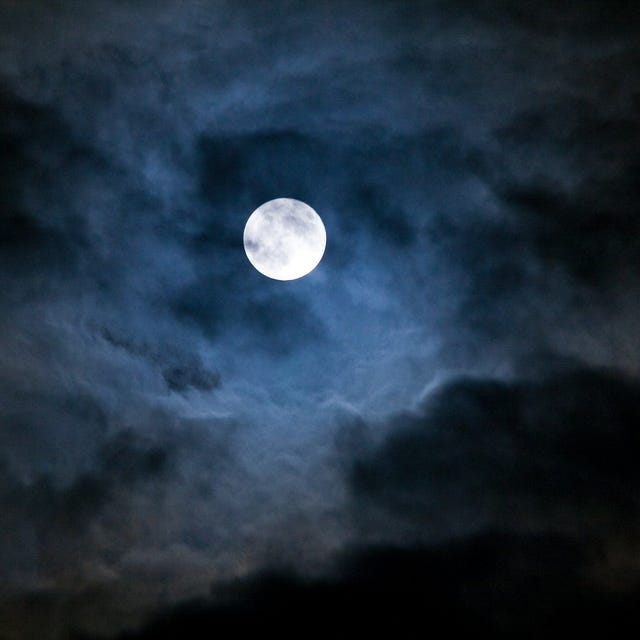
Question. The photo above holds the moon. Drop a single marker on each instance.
(284, 239)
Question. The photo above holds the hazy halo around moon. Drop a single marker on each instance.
(284, 239)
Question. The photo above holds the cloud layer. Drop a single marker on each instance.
(462, 366)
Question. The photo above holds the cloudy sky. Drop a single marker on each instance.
(439, 424)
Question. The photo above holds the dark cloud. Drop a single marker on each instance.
(57, 519)
(492, 583)
(181, 378)
(179, 372)
(567, 222)
(35, 149)
(549, 454)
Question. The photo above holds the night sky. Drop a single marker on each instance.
(440, 425)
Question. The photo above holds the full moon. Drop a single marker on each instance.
(284, 239)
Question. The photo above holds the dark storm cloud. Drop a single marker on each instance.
(498, 584)
(553, 453)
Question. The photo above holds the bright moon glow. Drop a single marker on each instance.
(284, 239)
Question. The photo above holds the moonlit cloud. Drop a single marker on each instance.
(456, 378)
